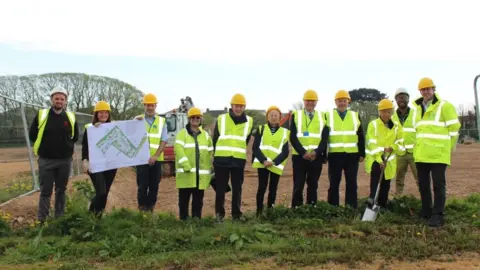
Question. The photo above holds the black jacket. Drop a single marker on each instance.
(321, 150)
(230, 162)
(57, 141)
(257, 152)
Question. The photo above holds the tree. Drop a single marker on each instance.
(84, 91)
(366, 95)
(258, 117)
(364, 101)
(208, 119)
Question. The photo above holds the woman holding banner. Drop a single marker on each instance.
(102, 181)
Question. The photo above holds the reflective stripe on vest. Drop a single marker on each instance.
(314, 130)
(42, 122)
(272, 151)
(408, 127)
(154, 134)
(345, 138)
(232, 145)
(186, 160)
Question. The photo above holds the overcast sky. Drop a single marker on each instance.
(271, 51)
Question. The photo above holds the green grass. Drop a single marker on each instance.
(307, 236)
(17, 187)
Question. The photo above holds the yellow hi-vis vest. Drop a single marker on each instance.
(309, 132)
(437, 132)
(408, 128)
(154, 133)
(185, 159)
(343, 136)
(271, 146)
(232, 141)
(380, 137)
(42, 122)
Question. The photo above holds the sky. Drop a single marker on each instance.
(270, 51)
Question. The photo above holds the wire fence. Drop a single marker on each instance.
(18, 164)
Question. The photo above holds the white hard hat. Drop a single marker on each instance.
(401, 90)
(59, 90)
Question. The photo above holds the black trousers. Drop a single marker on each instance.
(384, 186)
(263, 177)
(184, 195)
(305, 171)
(148, 180)
(338, 163)
(102, 182)
(222, 175)
(437, 171)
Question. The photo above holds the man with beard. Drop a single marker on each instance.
(54, 132)
(405, 116)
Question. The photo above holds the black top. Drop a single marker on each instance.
(321, 150)
(56, 140)
(257, 152)
(230, 162)
(85, 145)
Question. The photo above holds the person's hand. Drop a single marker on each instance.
(97, 124)
(361, 159)
(140, 117)
(382, 166)
(267, 163)
(388, 149)
(313, 155)
(152, 160)
(306, 156)
(85, 166)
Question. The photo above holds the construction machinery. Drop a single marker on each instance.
(175, 119)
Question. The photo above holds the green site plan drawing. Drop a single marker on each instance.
(116, 138)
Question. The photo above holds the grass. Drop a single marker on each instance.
(128, 239)
(16, 188)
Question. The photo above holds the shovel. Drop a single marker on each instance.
(371, 212)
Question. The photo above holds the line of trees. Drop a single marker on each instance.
(84, 91)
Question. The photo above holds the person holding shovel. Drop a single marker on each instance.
(384, 143)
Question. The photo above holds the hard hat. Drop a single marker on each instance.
(425, 83)
(59, 90)
(238, 99)
(149, 99)
(273, 108)
(310, 95)
(194, 111)
(401, 90)
(342, 94)
(102, 106)
(385, 104)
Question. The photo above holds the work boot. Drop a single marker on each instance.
(436, 221)
(426, 215)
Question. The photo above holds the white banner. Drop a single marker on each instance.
(117, 144)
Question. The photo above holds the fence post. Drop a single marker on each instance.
(29, 146)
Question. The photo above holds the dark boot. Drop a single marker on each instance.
(436, 221)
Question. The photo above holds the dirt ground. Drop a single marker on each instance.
(462, 179)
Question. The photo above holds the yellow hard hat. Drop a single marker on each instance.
(385, 104)
(342, 94)
(238, 99)
(310, 95)
(102, 106)
(194, 111)
(425, 83)
(149, 99)
(273, 108)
